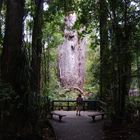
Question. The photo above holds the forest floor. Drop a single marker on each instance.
(82, 127)
(75, 127)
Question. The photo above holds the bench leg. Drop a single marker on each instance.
(60, 118)
(102, 116)
(93, 118)
(51, 115)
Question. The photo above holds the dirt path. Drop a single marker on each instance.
(75, 127)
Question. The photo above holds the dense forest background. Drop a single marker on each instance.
(30, 33)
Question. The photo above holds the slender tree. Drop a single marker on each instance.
(1, 2)
(47, 70)
(121, 58)
(104, 50)
(37, 45)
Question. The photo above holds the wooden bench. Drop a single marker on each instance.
(97, 114)
(57, 114)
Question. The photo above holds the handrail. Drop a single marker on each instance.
(85, 103)
(102, 105)
(71, 100)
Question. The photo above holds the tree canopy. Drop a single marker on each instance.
(108, 68)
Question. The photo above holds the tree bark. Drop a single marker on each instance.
(121, 63)
(71, 56)
(1, 2)
(37, 46)
(104, 51)
(12, 42)
(48, 68)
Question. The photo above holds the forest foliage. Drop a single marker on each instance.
(30, 33)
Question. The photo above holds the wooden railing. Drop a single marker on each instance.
(102, 105)
(71, 105)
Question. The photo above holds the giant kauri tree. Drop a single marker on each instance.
(71, 56)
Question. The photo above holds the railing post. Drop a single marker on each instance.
(68, 106)
(83, 105)
(52, 105)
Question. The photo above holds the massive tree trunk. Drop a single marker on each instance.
(104, 52)
(71, 56)
(37, 46)
(12, 42)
